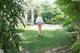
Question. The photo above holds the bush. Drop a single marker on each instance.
(48, 21)
(76, 47)
(10, 12)
(70, 28)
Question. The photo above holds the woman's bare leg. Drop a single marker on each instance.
(39, 27)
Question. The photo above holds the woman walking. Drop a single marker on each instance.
(39, 22)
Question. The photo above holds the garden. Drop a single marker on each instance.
(60, 30)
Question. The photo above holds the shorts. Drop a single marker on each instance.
(39, 23)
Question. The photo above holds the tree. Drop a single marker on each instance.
(71, 8)
(10, 12)
(51, 13)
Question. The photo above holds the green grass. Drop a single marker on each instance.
(48, 39)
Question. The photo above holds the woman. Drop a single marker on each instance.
(39, 22)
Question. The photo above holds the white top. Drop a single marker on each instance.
(39, 19)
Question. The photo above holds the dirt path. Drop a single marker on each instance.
(46, 27)
(63, 49)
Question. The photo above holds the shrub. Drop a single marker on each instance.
(76, 47)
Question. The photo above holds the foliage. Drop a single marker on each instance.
(59, 19)
(48, 21)
(52, 14)
(76, 47)
(70, 6)
(71, 28)
(10, 12)
(72, 10)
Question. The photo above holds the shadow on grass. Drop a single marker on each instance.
(48, 39)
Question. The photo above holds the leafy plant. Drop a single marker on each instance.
(71, 28)
(76, 47)
(72, 10)
(10, 12)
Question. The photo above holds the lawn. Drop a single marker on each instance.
(48, 39)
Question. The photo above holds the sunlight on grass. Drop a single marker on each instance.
(49, 38)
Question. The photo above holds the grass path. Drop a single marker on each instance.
(49, 39)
